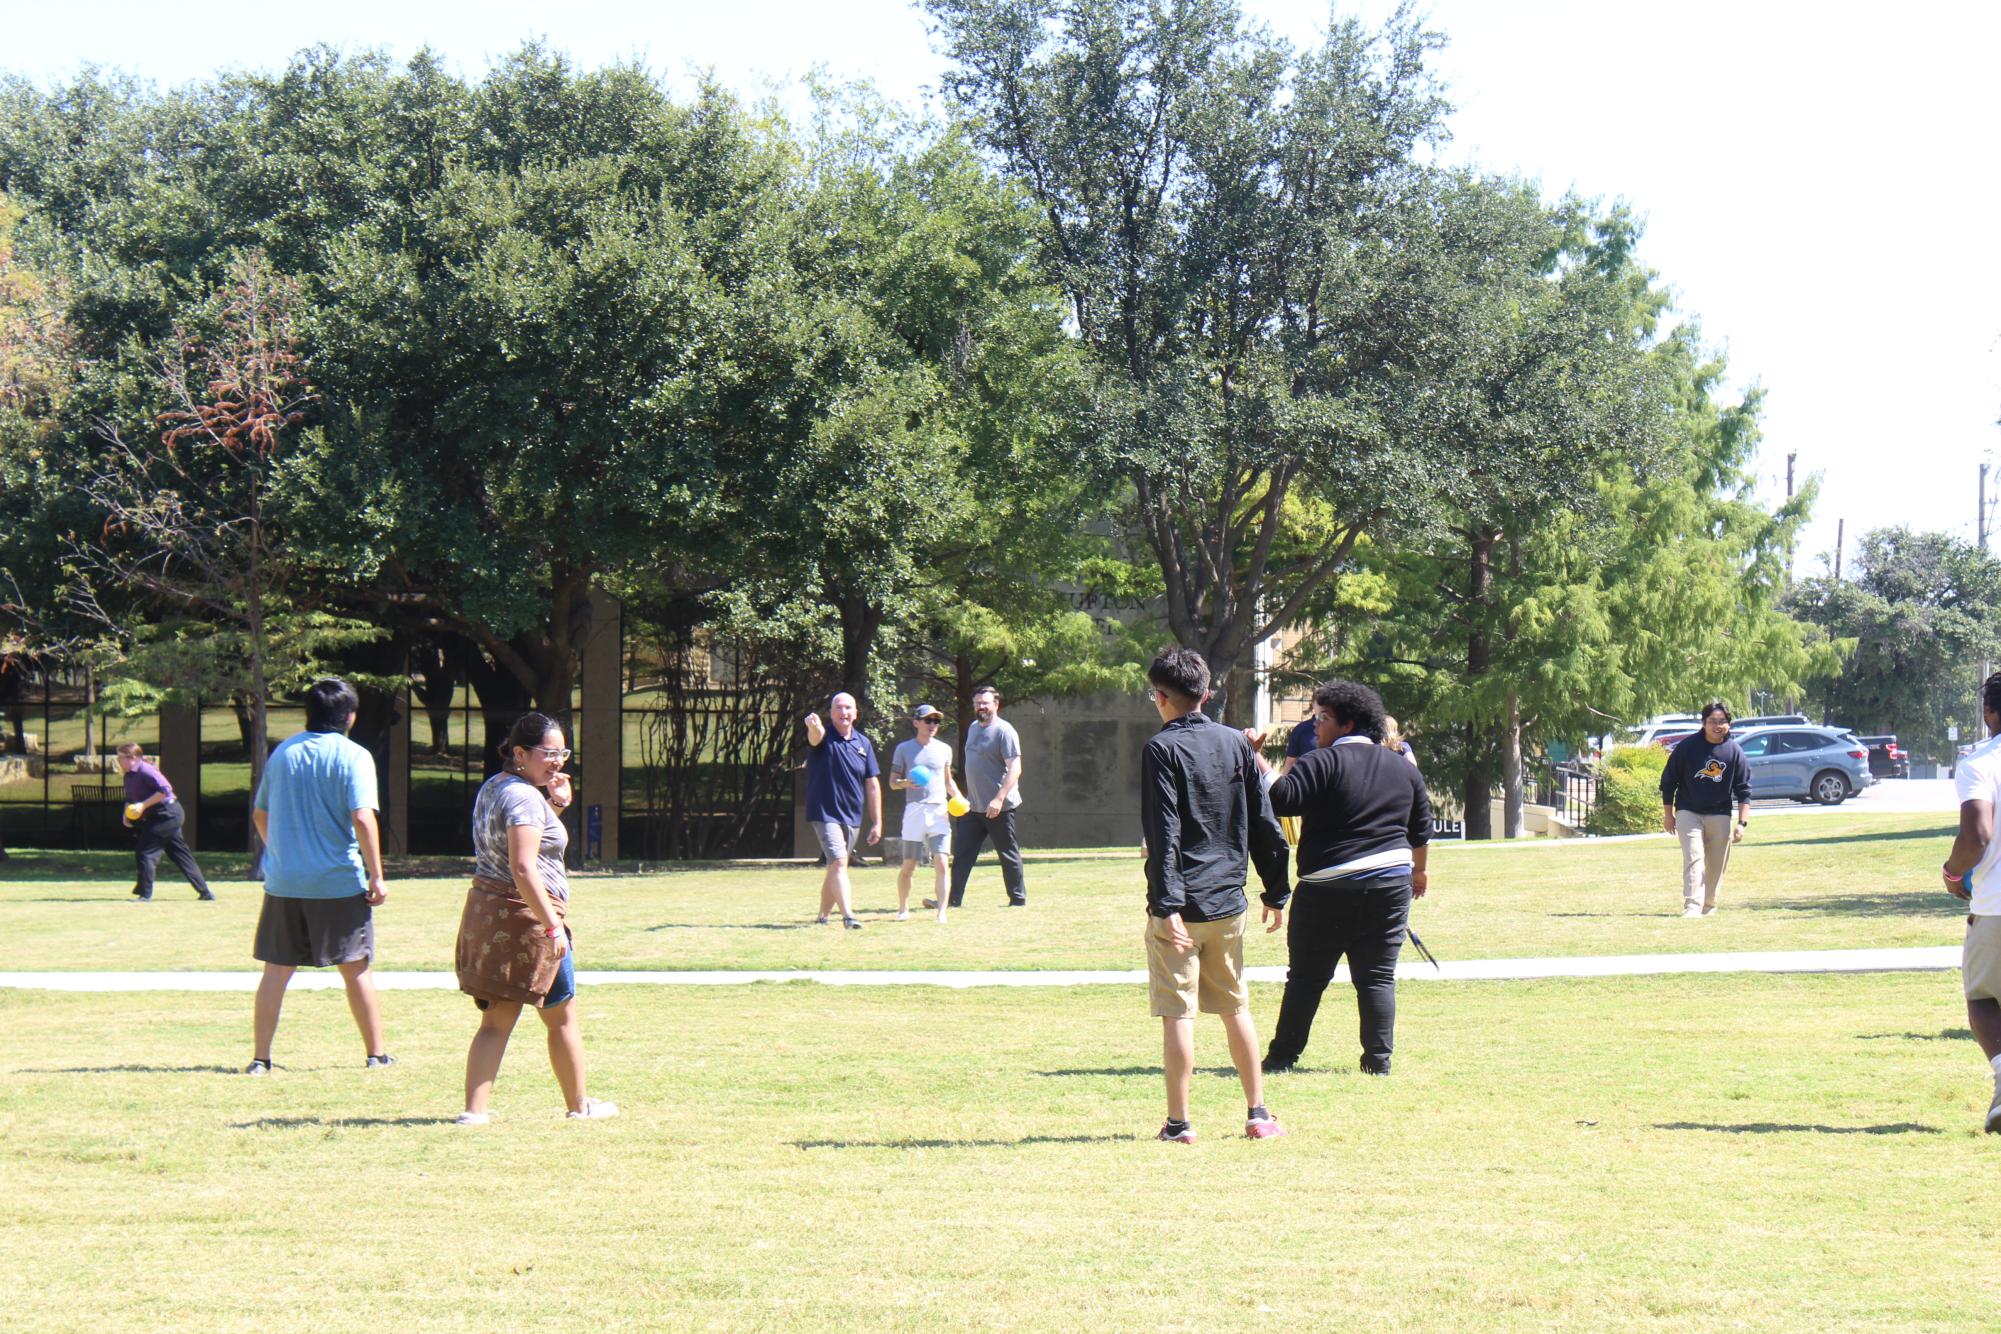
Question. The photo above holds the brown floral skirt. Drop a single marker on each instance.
(503, 953)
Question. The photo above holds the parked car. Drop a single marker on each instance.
(1773, 720)
(1822, 764)
(1887, 759)
(1651, 731)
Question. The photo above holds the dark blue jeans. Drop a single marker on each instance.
(1364, 921)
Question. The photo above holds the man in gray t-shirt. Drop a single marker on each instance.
(993, 775)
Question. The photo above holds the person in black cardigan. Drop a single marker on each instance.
(1364, 826)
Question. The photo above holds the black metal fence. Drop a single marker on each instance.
(1570, 789)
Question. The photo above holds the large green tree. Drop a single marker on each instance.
(1239, 230)
(1919, 614)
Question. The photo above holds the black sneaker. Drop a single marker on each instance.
(851, 924)
(1375, 1065)
(375, 1061)
(205, 897)
(1271, 1067)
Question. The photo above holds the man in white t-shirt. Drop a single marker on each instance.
(927, 824)
(1973, 872)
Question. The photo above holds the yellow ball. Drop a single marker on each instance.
(134, 811)
(958, 806)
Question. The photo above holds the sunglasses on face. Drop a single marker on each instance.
(554, 754)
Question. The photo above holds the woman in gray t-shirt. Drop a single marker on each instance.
(519, 840)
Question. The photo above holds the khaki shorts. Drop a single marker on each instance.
(1209, 977)
(1980, 964)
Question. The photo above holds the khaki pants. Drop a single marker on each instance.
(1705, 851)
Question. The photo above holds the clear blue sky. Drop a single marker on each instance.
(1820, 182)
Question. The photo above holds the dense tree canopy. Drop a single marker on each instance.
(1179, 327)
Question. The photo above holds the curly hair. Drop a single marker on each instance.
(1352, 702)
(1990, 692)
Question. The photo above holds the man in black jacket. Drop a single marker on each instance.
(1365, 823)
(1705, 773)
(1205, 814)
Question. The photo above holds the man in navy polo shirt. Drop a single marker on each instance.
(842, 780)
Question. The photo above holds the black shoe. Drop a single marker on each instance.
(139, 893)
(259, 1068)
(1015, 903)
(1271, 1067)
(1375, 1065)
(851, 924)
(375, 1062)
(137, 897)
(205, 897)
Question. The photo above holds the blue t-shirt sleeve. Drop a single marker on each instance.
(361, 781)
(869, 767)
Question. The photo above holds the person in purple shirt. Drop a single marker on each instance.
(155, 819)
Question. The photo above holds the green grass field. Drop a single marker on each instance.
(1802, 882)
(1737, 1152)
(1730, 1151)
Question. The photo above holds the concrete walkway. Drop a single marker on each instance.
(1928, 958)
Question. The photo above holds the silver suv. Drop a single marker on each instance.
(1822, 764)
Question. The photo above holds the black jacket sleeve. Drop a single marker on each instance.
(1671, 776)
(1740, 779)
(1420, 811)
(1160, 819)
(1268, 848)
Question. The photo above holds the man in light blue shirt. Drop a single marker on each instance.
(315, 812)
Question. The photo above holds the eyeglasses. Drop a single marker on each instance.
(553, 754)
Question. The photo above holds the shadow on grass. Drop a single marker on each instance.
(1805, 841)
(1943, 1035)
(1137, 1071)
(135, 1070)
(1916, 902)
(30, 865)
(962, 1143)
(737, 926)
(1783, 1128)
(339, 1122)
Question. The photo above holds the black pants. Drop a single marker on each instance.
(969, 832)
(160, 832)
(1365, 922)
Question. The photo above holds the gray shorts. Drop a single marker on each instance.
(314, 933)
(837, 840)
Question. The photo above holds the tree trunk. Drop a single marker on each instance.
(1479, 659)
(963, 686)
(502, 699)
(260, 722)
(861, 623)
(1511, 769)
(89, 715)
(1239, 698)
(443, 669)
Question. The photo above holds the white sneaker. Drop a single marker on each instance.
(1994, 1110)
(903, 916)
(475, 1118)
(1708, 908)
(1692, 910)
(594, 1111)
